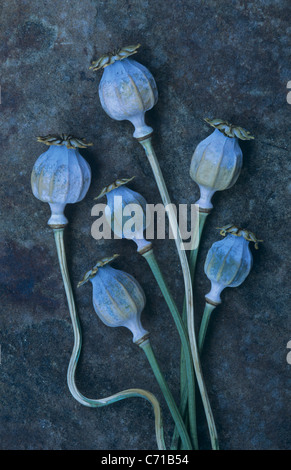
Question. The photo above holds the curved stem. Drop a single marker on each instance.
(152, 261)
(204, 324)
(146, 347)
(134, 392)
(147, 145)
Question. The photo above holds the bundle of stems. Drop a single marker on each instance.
(189, 299)
(186, 350)
(184, 417)
(194, 249)
(127, 91)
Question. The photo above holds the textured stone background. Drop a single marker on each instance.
(227, 59)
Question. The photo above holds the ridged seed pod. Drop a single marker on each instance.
(127, 89)
(217, 160)
(60, 175)
(118, 298)
(121, 201)
(229, 261)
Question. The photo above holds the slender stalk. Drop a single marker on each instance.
(147, 145)
(194, 248)
(152, 261)
(204, 324)
(146, 347)
(134, 392)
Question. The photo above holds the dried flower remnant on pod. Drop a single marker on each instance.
(229, 130)
(116, 184)
(240, 232)
(111, 57)
(68, 140)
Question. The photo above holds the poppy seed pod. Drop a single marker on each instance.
(60, 175)
(118, 299)
(122, 202)
(127, 89)
(229, 261)
(217, 160)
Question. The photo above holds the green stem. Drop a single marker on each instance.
(134, 392)
(146, 347)
(195, 244)
(152, 261)
(147, 145)
(194, 248)
(204, 324)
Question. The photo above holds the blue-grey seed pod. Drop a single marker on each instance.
(60, 175)
(126, 212)
(228, 261)
(127, 89)
(217, 160)
(118, 298)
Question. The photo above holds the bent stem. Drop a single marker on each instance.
(204, 324)
(153, 264)
(146, 347)
(95, 403)
(147, 145)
